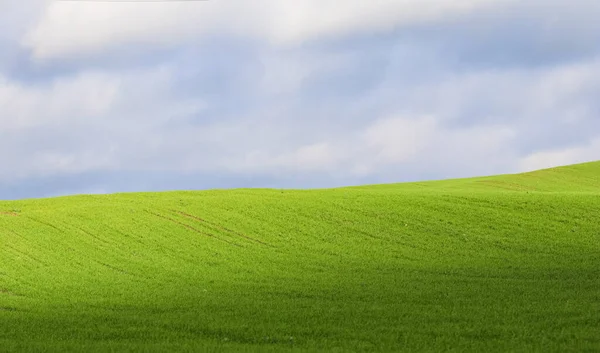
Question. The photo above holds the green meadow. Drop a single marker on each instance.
(502, 263)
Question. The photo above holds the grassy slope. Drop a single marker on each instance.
(497, 263)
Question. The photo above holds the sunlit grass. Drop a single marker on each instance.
(507, 263)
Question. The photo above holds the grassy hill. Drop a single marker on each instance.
(505, 263)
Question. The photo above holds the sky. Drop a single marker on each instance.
(116, 97)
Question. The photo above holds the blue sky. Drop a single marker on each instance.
(109, 97)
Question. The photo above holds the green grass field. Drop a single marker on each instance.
(505, 263)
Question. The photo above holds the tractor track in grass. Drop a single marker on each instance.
(187, 226)
(116, 269)
(220, 227)
(24, 254)
(16, 234)
(92, 235)
(121, 270)
(46, 224)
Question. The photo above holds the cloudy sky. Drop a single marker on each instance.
(107, 97)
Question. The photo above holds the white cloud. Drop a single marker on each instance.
(66, 100)
(134, 121)
(18, 16)
(317, 157)
(516, 95)
(383, 149)
(87, 122)
(72, 29)
(31, 116)
(398, 140)
(393, 143)
(553, 158)
(400, 111)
